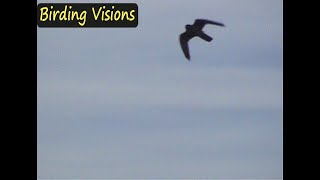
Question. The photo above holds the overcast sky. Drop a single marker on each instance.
(125, 103)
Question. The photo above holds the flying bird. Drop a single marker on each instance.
(195, 30)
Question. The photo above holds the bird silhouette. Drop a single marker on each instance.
(195, 30)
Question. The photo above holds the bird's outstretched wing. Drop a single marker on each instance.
(202, 22)
(184, 39)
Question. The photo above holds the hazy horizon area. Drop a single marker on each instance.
(125, 102)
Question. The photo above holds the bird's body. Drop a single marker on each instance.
(195, 30)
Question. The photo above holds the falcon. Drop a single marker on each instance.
(195, 30)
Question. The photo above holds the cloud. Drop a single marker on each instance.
(206, 87)
(124, 103)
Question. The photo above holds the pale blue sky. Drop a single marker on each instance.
(125, 103)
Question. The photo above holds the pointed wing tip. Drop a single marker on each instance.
(187, 57)
(211, 22)
(220, 24)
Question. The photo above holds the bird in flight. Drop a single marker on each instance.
(193, 31)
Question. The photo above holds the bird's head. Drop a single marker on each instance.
(188, 26)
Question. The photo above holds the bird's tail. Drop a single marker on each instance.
(205, 37)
